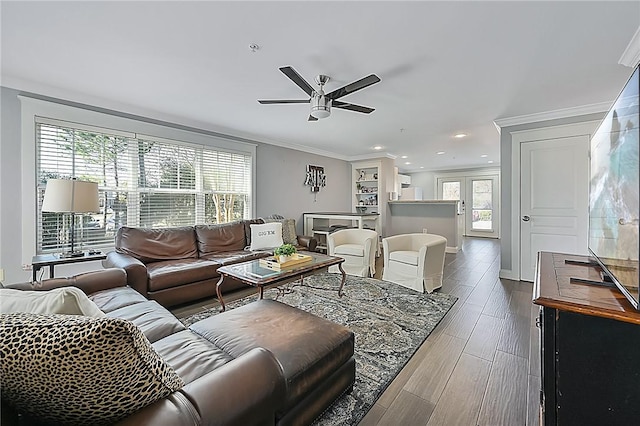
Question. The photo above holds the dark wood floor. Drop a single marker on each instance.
(480, 366)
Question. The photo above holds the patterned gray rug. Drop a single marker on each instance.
(390, 323)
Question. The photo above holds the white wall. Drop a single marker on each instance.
(426, 181)
(279, 182)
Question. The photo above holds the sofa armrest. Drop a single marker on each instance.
(136, 270)
(245, 391)
(309, 243)
(89, 282)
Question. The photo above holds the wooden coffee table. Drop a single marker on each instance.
(254, 274)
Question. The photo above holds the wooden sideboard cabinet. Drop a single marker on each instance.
(590, 347)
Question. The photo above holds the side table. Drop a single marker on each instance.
(51, 260)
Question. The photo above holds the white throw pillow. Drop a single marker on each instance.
(64, 300)
(266, 236)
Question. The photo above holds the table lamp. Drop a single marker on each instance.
(71, 196)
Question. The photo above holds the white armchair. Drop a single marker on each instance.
(415, 261)
(358, 249)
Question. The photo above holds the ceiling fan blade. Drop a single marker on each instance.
(297, 79)
(353, 87)
(312, 118)
(352, 107)
(284, 101)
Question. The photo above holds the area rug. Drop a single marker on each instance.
(390, 323)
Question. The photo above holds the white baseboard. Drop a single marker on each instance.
(453, 250)
(508, 274)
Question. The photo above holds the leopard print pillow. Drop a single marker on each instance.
(68, 369)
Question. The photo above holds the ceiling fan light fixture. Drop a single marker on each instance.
(320, 107)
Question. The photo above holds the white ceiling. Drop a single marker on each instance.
(446, 67)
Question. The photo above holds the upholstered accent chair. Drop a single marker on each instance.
(357, 247)
(415, 261)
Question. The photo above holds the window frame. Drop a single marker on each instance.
(42, 109)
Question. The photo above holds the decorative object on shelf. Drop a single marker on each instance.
(363, 175)
(375, 176)
(315, 177)
(71, 196)
(285, 252)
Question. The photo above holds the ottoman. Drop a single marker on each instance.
(316, 355)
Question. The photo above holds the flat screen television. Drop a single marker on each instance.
(614, 188)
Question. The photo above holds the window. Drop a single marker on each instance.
(451, 190)
(143, 182)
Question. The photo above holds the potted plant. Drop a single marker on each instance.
(285, 252)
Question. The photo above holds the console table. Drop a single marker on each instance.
(590, 347)
(317, 224)
(51, 260)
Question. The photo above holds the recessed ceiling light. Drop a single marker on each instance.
(440, 152)
(422, 167)
(460, 135)
(407, 162)
(490, 161)
(484, 156)
(403, 156)
(377, 147)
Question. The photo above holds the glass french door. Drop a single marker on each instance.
(479, 201)
(482, 209)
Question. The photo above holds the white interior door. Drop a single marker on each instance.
(554, 199)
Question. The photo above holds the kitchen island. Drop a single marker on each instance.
(440, 217)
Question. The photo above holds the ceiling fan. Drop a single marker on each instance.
(321, 103)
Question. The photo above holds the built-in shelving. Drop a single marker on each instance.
(371, 179)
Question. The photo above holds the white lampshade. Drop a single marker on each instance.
(70, 196)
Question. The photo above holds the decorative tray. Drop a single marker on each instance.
(272, 262)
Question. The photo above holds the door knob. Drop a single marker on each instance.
(526, 218)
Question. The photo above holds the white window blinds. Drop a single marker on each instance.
(143, 182)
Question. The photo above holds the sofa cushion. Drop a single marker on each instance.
(115, 298)
(232, 257)
(151, 318)
(64, 300)
(266, 236)
(151, 245)
(191, 356)
(69, 369)
(349, 250)
(174, 273)
(405, 256)
(220, 238)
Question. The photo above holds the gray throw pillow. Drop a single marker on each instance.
(289, 235)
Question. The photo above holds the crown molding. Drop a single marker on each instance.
(371, 156)
(631, 55)
(552, 115)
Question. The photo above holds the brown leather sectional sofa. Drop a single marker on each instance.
(261, 364)
(179, 265)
